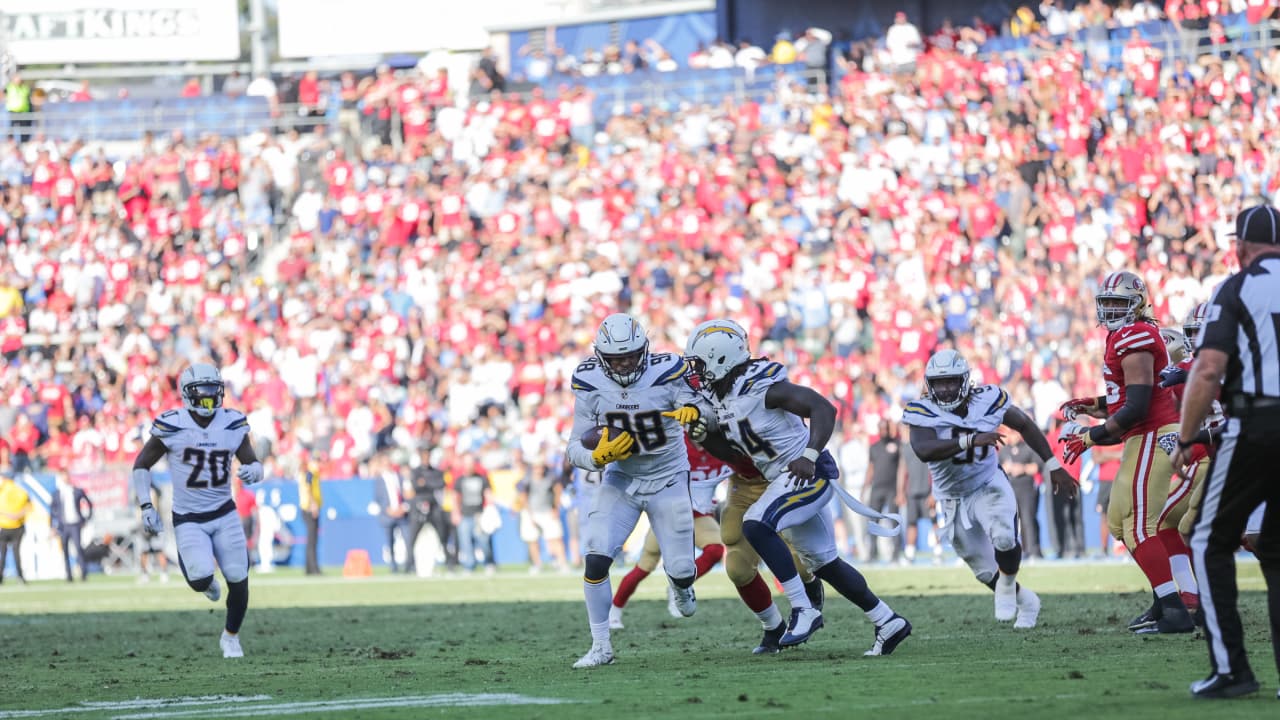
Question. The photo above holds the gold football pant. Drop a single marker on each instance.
(740, 559)
(706, 531)
(1141, 489)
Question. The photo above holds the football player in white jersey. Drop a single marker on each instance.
(641, 399)
(705, 475)
(763, 415)
(198, 443)
(954, 429)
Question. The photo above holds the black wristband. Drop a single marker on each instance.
(1185, 444)
(145, 506)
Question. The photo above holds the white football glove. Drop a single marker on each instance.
(251, 473)
(1071, 429)
(151, 520)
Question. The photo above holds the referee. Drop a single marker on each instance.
(1238, 354)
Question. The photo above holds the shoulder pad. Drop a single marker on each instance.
(1139, 336)
(997, 398)
(921, 413)
(167, 425)
(235, 419)
(761, 375)
(667, 368)
(586, 377)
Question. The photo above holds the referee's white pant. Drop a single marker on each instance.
(1243, 474)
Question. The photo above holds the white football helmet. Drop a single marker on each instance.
(1195, 320)
(622, 348)
(1177, 345)
(715, 348)
(1121, 299)
(202, 389)
(946, 378)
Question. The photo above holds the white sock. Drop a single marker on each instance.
(770, 617)
(1181, 566)
(1166, 589)
(880, 614)
(794, 589)
(1006, 580)
(599, 598)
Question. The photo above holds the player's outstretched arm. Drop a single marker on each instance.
(930, 448)
(1015, 418)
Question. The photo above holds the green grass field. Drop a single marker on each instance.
(387, 647)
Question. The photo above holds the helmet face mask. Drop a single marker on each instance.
(1121, 300)
(622, 348)
(202, 389)
(946, 379)
(624, 369)
(1194, 322)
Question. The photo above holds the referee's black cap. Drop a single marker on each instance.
(1259, 224)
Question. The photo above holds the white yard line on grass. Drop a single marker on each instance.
(138, 704)
(323, 706)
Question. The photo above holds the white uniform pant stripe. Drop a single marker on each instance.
(1140, 488)
(1200, 542)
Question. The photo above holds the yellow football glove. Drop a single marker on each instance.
(685, 414)
(612, 449)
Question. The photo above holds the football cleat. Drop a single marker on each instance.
(889, 636)
(214, 591)
(1006, 597)
(769, 643)
(615, 617)
(1148, 618)
(1028, 609)
(672, 610)
(1173, 621)
(684, 600)
(804, 623)
(817, 596)
(230, 645)
(597, 656)
(1216, 686)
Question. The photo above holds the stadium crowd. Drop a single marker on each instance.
(437, 283)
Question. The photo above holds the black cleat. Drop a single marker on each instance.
(1174, 621)
(816, 594)
(1218, 687)
(769, 643)
(1147, 619)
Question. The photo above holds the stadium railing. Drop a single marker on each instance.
(1172, 42)
(129, 119)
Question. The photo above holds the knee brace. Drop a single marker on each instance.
(1004, 541)
(596, 568)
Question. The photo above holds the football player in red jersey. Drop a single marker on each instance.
(1136, 413)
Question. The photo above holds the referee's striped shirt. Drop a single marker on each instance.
(1243, 321)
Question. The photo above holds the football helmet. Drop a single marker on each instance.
(1121, 299)
(622, 348)
(1177, 345)
(946, 378)
(715, 348)
(1195, 320)
(202, 389)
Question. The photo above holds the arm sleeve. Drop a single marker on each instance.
(1222, 325)
(583, 420)
(1137, 400)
